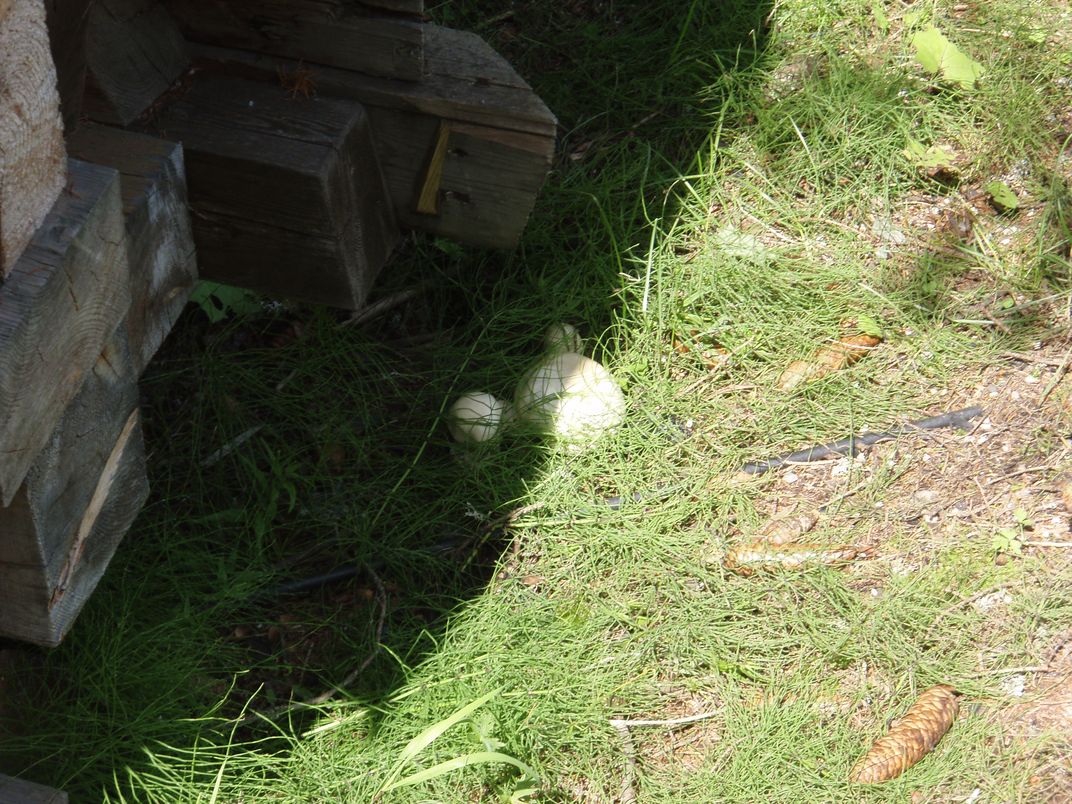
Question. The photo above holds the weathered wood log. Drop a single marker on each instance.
(286, 194)
(412, 7)
(331, 32)
(61, 303)
(134, 52)
(499, 142)
(79, 497)
(67, 37)
(160, 244)
(19, 791)
(32, 165)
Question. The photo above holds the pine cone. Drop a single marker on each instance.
(910, 739)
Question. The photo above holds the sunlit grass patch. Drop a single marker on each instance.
(735, 190)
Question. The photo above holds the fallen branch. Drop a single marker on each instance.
(850, 446)
(680, 721)
(628, 794)
(381, 599)
(385, 305)
(231, 446)
(1058, 375)
(622, 726)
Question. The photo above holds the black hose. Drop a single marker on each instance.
(850, 446)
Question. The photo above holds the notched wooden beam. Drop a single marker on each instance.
(59, 306)
(330, 32)
(79, 497)
(160, 244)
(479, 184)
(285, 193)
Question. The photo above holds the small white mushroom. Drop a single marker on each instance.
(563, 337)
(475, 417)
(571, 397)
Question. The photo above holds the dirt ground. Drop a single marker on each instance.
(1006, 482)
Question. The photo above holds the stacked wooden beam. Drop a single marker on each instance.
(289, 141)
(96, 264)
(351, 119)
(464, 151)
(18, 791)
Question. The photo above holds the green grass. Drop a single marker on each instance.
(731, 151)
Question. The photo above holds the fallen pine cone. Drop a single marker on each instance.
(910, 739)
(787, 529)
(841, 353)
(764, 556)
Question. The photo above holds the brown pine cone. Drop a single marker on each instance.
(910, 739)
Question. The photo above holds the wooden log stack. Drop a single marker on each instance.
(279, 145)
(90, 254)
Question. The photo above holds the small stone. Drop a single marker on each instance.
(1014, 685)
(792, 477)
(994, 599)
(927, 496)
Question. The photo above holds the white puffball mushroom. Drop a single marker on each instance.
(570, 397)
(475, 417)
(563, 337)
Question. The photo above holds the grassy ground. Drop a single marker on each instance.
(733, 191)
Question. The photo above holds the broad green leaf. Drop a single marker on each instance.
(910, 18)
(1007, 540)
(464, 761)
(938, 55)
(869, 326)
(218, 301)
(433, 732)
(932, 157)
(1003, 195)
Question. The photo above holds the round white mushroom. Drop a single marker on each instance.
(570, 397)
(563, 337)
(475, 417)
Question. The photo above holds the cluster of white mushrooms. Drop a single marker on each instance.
(565, 396)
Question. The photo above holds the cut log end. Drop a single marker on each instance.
(32, 160)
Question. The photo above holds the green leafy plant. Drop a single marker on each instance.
(933, 157)
(219, 301)
(870, 326)
(526, 786)
(1010, 540)
(938, 55)
(1003, 196)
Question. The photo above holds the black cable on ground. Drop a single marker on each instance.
(850, 446)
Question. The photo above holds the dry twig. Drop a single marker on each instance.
(381, 599)
(622, 726)
(385, 305)
(1058, 375)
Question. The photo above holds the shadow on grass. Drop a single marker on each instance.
(286, 446)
